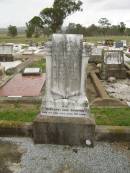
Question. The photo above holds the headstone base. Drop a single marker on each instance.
(64, 130)
(111, 71)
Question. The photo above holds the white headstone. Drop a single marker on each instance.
(66, 72)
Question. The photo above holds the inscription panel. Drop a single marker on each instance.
(113, 57)
(66, 66)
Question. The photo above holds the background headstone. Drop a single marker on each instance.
(113, 65)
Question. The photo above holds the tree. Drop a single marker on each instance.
(122, 27)
(34, 26)
(71, 28)
(104, 22)
(93, 30)
(12, 31)
(76, 29)
(47, 31)
(128, 31)
(54, 17)
(29, 30)
(37, 24)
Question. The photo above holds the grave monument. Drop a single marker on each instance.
(6, 53)
(65, 114)
(96, 54)
(113, 65)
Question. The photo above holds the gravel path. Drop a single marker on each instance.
(103, 158)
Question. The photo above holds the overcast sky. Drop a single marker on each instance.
(18, 12)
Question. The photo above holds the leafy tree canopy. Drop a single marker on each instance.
(12, 31)
(29, 30)
(34, 26)
(122, 27)
(54, 16)
(104, 22)
(36, 21)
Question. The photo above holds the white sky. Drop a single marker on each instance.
(18, 12)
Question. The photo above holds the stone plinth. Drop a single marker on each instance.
(118, 72)
(64, 130)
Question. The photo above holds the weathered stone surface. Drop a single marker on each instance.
(6, 53)
(65, 116)
(113, 65)
(96, 54)
(67, 59)
(112, 79)
(64, 130)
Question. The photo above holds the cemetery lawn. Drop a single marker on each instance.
(39, 64)
(94, 39)
(112, 116)
(21, 38)
(18, 113)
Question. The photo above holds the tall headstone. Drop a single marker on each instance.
(65, 116)
(66, 73)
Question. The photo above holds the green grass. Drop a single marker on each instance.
(112, 116)
(21, 39)
(18, 112)
(15, 114)
(102, 38)
(39, 64)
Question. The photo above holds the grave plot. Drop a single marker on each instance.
(23, 86)
(110, 80)
(120, 89)
(114, 73)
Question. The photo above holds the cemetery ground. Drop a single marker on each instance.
(19, 113)
(15, 113)
(20, 155)
(21, 38)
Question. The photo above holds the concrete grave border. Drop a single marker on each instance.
(104, 99)
(103, 133)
